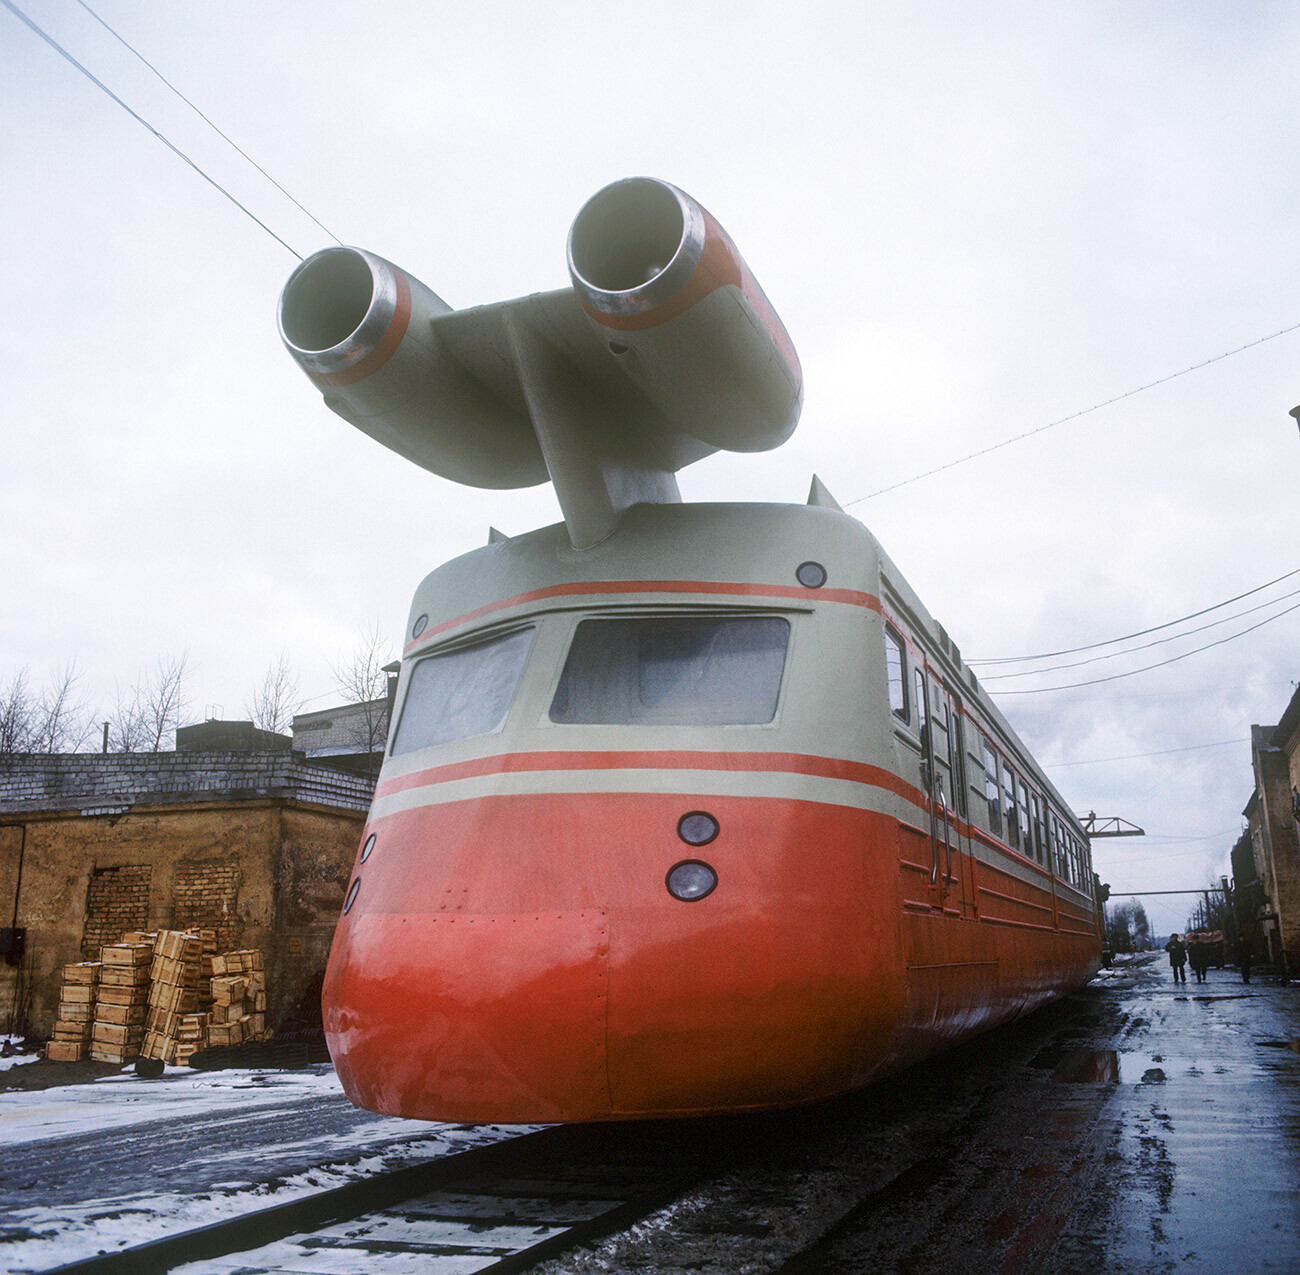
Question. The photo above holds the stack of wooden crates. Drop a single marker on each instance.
(164, 995)
(173, 991)
(71, 1039)
(123, 997)
(238, 998)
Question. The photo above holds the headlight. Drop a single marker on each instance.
(697, 828)
(691, 880)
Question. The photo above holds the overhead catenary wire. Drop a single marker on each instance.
(128, 45)
(1073, 416)
(1146, 646)
(135, 115)
(1146, 668)
(1168, 624)
(1163, 752)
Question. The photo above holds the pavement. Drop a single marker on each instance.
(1199, 1123)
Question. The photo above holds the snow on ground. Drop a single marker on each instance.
(38, 1238)
(115, 1102)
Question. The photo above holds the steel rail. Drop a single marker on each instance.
(556, 1148)
(307, 1213)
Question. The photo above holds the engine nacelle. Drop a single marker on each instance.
(664, 350)
(666, 289)
(363, 331)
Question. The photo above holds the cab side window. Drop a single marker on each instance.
(896, 672)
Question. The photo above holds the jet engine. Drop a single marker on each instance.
(664, 350)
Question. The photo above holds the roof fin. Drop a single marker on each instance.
(495, 537)
(819, 496)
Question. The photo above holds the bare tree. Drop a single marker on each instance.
(126, 725)
(56, 720)
(273, 704)
(63, 718)
(361, 678)
(144, 719)
(17, 716)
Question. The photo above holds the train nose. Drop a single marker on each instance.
(455, 1016)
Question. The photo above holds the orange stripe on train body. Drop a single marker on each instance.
(722, 588)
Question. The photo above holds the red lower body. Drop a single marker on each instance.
(518, 958)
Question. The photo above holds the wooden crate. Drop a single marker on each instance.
(226, 1034)
(64, 1030)
(123, 1015)
(75, 1012)
(141, 936)
(163, 1021)
(179, 973)
(254, 1026)
(113, 1053)
(110, 995)
(173, 999)
(77, 994)
(86, 972)
(116, 1034)
(228, 990)
(65, 1050)
(130, 954)
(179, 945)
(231, 1013)
(124, 976)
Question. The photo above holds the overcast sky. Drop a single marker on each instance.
(974, 220)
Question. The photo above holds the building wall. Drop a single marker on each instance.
(219, 841)
(1274, 831)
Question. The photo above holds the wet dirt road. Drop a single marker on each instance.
(1135, 1127)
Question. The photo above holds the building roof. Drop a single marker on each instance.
(1289, 724)
(113, 783)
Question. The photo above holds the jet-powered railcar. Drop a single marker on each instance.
(684, 808)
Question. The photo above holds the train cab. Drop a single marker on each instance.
(624, 856)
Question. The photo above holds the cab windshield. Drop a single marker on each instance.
(461, 693)
(673, 671)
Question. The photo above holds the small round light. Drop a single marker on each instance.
(697, 828)
(368, 847)
(691, 880)
(422, 622)
(812, 575)
(352, 896)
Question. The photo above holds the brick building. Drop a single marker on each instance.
(249, 839)
(1266, 860)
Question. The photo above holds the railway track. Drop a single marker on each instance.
(918, 1163)
(513, 1204)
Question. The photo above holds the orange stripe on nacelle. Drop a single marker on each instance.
(387, 346)
(719, 265)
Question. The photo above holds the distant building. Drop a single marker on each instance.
(233, 831)
(351, 737)
(1266, 860)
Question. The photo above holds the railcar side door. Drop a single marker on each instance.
(935, 721)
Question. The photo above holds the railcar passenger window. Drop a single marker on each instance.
(1009, 805)
(1038, 825)
(896, 671)
(686, 671)
(461, 693)
(1026, 841)
(991, 789)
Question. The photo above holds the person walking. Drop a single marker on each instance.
(1241, 954)
(1198, 955)
(1177, 950)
